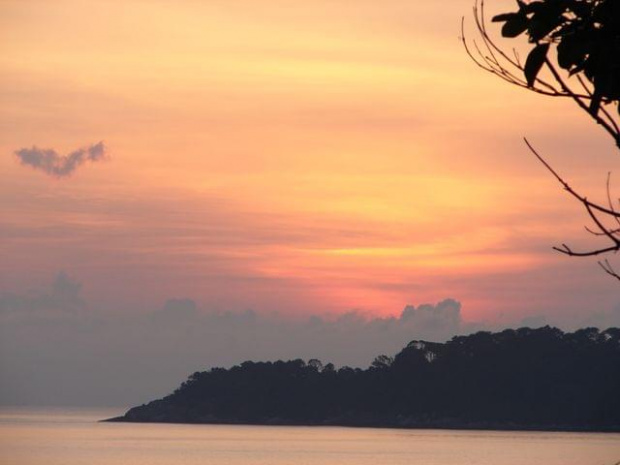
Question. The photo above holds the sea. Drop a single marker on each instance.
(64, 436)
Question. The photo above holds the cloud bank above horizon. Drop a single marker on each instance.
(56, 350)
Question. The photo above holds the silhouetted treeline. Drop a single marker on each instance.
(514, 379)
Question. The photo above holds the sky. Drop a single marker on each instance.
(193, 183)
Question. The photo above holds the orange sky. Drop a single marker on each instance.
(299, 157)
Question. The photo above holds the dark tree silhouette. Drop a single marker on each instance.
(575, 54)
(514, 379)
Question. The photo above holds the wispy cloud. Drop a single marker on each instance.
(60, 166)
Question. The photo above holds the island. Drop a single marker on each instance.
(523, 379)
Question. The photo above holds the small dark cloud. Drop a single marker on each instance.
(60, 166)
(534, 321)
(604, 319)
(441, 320)
(63, 297)
(176, 311)
(184, 308)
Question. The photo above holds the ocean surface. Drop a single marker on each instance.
(74, 436)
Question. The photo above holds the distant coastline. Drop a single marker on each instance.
(514, 380)
(407, 425)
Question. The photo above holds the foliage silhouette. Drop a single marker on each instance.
(584, 36)
(514, 379)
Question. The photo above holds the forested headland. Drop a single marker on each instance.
(529, 379)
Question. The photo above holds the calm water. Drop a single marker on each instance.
(71, 437)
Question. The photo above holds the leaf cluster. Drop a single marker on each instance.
(586, 35)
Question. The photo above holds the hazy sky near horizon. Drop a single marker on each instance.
(304, 158)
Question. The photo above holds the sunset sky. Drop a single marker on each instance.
(304, 158)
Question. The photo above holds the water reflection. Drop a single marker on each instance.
(70, 436)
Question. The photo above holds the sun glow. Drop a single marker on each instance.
(347, 156)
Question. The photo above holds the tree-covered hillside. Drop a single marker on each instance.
(521, 379)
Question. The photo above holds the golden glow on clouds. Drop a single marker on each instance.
(347, 150)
